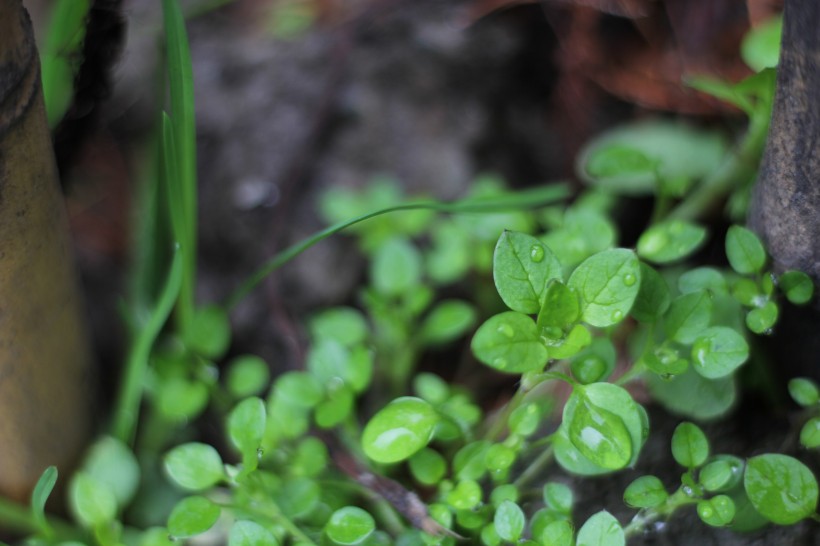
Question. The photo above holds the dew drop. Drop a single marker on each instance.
(500, 363)
(617, 315)
(537, 253)
(688, 491)
(630, 279)
(506, 330)
(706, 512)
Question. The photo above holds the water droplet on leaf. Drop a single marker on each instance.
(500, 363)
(506, 329)
(537, 253)
(701, 351)
(630, 279)
(617, 315)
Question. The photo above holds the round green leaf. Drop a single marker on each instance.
(113, 463)
(509, 521)
(399, 430)
(180, 400)
(718, 351)
(583, 232)
(246, 426)
(653, 298)
(558, 497)
(428, 466)
(599, 435)
(192, 516)
(797, 286)
(674, 150)
(690, 448)
(760, 48)
(344, 325)
(209, 333)
(446, 322)
(465, 496)
(561, 307)
(804, 391)
(499, 458)
(298, 497)
(721, 474)
(745, 251)
(810, 433)
(522, 267)
(524, 419)
(703, 278)
(194, 466)
(645, 492)
(602, 529)
(250, 533)
(468, 464)
(336, 408)
(692, 395)
(350, 525)
(431, 387)
(505, 492)
(247, 375)
(557, 533)
(396, 267)
(781, 488)
(688, 316)
(299, 389)
(670, 241)
(718, 511)
(761, 319)
(91, 501)
(608, 284)
(509, 342)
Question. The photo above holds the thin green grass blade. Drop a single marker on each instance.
(40, 495)
(514, 201)
(181, 82)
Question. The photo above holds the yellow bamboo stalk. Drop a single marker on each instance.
(45, 373)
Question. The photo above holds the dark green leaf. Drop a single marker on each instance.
(781, 488)
(561, 307)
(804, 391)
(510, 343)
(744, 250)
(653, 297)
(608, 284)
(522, 267)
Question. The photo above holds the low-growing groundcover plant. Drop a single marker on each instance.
(363, 447)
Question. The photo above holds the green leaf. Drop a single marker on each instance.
(246, 428)
(302, 389)
(718, 511)
(557, 533)
(466, 495)
(112, 462)
(250, 533)
(336, 408)
(179, 399)
(194, 466)
(499, 458)
(589, 369)
(745, 251)
(678, 151)
(797, 286)
(503, 493)
(431, 387)
(446, 322)
(608, 284)
(396, 267)
(468, 463)
(692, 395)
(344, 325)
(781, 488)
(561, 307)
(91, 501)
(428, 466)
(653, 298)
(583, 232)
(599, 435)
(558, 497)
(670, 241)
(721, 474)
(525, 419)
(209, 333)
(399, 430)
(192, 516)
(328, 361)
(645, 492)
(350, 525)
(40, 495)
(509, 521)
(703, 278)
(690, 448)
(688, 316)
(718, 351)
(602, 529)
(509, 342)
(247, 375)
(570, 345)
(804, 391)
(760, 48)
(761, 320)
(810, 433)
(617, 161)
(522, 267)
(298, 497)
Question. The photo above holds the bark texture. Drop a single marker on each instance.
(786, 204)
(45, 394)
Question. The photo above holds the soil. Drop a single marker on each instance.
(430, 92)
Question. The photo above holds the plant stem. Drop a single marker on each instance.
(499, 203)
(735, 168)
(19, 519)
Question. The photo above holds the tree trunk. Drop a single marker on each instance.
(786, 203)
(45, 393)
